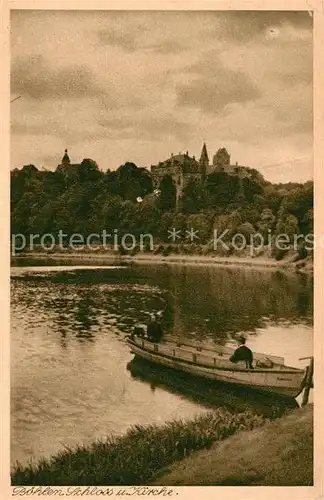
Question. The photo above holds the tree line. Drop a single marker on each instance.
(83, 199)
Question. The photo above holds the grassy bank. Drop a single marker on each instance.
(278, 454)
(137, 457)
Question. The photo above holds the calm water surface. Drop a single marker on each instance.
(70, 367)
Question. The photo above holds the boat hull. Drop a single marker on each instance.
(287, 384)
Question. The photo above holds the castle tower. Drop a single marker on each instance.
(204, 160)
(66, 159)
(221, 160)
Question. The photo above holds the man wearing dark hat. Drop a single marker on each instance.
(242, 353)
(154, 329)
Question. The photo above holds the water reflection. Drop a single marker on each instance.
(209, 393)
(207, 303)
(83, 310)
(69, 377)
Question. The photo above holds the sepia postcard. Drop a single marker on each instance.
(163, 252)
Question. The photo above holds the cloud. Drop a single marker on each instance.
(125, 41)
(146, 126)
(67, 131)
(166, 127)
(33, 77)
(132, 41)
(293, 111)
(25, 129)
(214, 86)
(52, 159)
(114, 85)
(291, 63)
(247, 25)
(167, 47)
(64, 119)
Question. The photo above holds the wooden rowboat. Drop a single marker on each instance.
(270, 374)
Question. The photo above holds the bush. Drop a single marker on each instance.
(147, 248)
(208, 249)
(122, 250)
(159, 249)
(135, 250)
(167, 250)
(279, 254)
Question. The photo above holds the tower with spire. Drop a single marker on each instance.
(204, 160)
(183, 169)
(68, 169)
(66, 158)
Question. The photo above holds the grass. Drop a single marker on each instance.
(138, 456)
(279, 453)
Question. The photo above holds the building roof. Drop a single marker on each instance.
(204, 155)
(181, 158)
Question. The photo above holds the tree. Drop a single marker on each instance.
(287, 224)
(89, 171)
(192, 200)
(249, 213)
(272, 198)
(247, 230)
(133, 182)
(202, 224)
(221, 188)
(42, 222)
(299, 201)
(111, 212)
(148, 216)
(81, 198)
(22, 214)
(234, 220)
(166, 222)
(256, 176)
(29, 171)
(251, 188)
(129, 218)
(167, 198)
(221, 223)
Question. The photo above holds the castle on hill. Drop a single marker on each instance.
(183, 168)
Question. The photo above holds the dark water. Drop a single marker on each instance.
(72, 375)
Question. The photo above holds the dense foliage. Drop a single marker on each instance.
(83, 199)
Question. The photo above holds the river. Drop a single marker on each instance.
(71, 375)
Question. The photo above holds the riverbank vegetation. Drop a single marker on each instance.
(86, 200)
(138, 456)
(279, 453)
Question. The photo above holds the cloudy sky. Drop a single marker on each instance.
(136, 86)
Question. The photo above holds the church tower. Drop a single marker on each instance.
(66, 159)
(204, 160)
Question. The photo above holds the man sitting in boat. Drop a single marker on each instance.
(243, 353)
(154, 330)
(138, 332)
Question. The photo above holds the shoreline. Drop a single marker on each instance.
(303, 266)
(184, 448)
